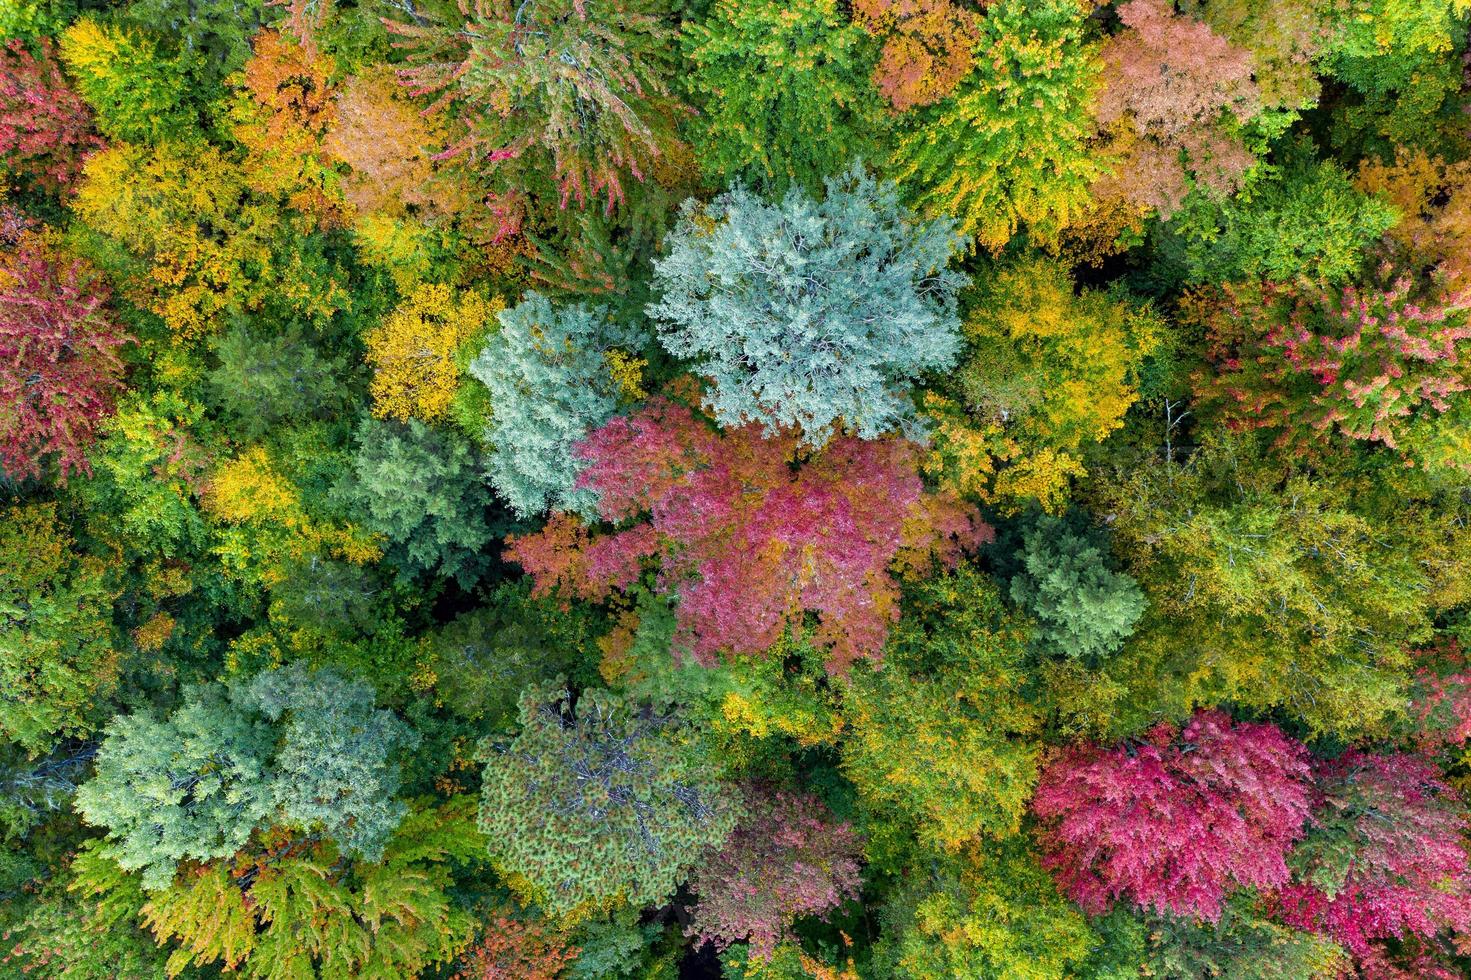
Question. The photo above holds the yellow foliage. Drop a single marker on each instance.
(627, 373)
(265, 524)
(415, 351)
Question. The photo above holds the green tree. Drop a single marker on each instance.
(944, 735)
(785, 91)
(57, 660)
(334, 767)
(1009, 147)
(194, 785)
(809, 314)
(422, 490)
(990, 911)
(1308, 219)
(598, 803)
(137, 90)
(1083, 606)
(551, 381)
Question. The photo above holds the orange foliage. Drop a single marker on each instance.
(928, 47)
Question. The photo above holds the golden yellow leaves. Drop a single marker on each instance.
(416, 351)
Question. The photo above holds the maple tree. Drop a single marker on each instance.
(928, 48)
(1177, 820)
(786, 858)
(1382, 857)
(750, 543)
(45, 127)
(59, 366)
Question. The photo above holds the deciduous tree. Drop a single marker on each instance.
(45, 127)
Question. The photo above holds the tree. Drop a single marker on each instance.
(1176, 820)
(786, 100)
(989, 911)
(137, 91)
(335, 765)
(269, 378)
(597, 803)
(1084, 606)
(787, 857)
(1307, 220)
(59, 368)
(1007, 148)
(929, 47)
(1380, 363)
(45, 128)
(551, 376)
(1383, 856)
(296, 907)
(1433, 199)
(942, 736)
(556, 93)
(1050, 370)
(1174, 90)
(421, 489)
(416, 351)
(809, 314)
(57, 661)
(194, 785)
(516, 949)
(1267, 589)
(747, 543)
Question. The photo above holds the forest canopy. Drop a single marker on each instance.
(669, 489)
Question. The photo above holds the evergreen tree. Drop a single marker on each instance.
(809, 314)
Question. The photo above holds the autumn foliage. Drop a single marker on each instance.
(59, 364)
(1177, 820)
(750, 543)
(45, 127)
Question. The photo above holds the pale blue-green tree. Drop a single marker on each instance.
(810, 314)
(550, 382)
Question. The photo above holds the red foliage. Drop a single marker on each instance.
(45, 127)
(1169, 81)
(1176, 822)
(1441, 698)
(929, 46)
(1362, 360)
(787, 858)
(1384, 859)
(747, 541)
(514, 949)
(59, 367)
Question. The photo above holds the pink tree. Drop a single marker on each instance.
(1384, 858)
(748, 542)
(787, 858)
(45, 127)
(59, 368)
(1173, 88)
(1175, 822)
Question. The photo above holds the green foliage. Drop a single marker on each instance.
(334, 768)
(1084, 607)
(785, 92)
(1307, 220)
(551, 382)
(266, 379)
(56, 644)
(809, 315)
(989, 912)
(942, 735)
(1008, 149)
(136, 89)
(598, 804)
(194, 785)
(422, 490)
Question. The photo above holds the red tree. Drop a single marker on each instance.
(1384, 858)
(515, 949)
(1173, 823)
(748, 541)
(788, 857)
(45, 127)
(59, 367)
